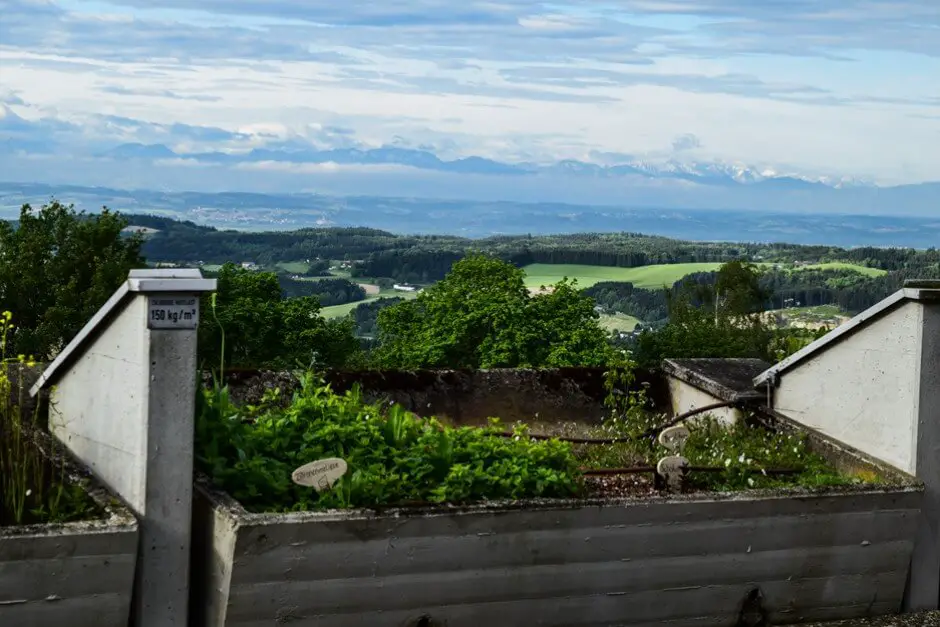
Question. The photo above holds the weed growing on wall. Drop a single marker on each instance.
(394, 457)
(745, 450)
(31, 489)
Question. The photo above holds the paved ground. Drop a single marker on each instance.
(927, 619)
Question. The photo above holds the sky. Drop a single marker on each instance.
(840, 87)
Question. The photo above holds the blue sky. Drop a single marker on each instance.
(843, 88)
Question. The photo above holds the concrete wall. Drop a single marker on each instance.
(686, 397)
(863, 391)
(99, 406)
(123, 400)
(924, 592)
(466, 397)
(685, 562)
(77, 574)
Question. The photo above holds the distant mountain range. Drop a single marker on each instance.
(287, 211)
(713, 173)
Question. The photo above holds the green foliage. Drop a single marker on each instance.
(57, 268)
(482, 316)
(717, 319)
(393, 456)
(694, 332)
(644, 304)
(31, 490)
(366, 315)
(264, 330)
(788, 341)
(328, 291)
(746, 450)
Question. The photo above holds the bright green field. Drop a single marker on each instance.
(650, 277)
(840, 265)
(338, 311)
(618, 322)
(294, 267)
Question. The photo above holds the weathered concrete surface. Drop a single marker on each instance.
(862, 390)
(686, 561)
(916, 619)
(695, 383)
(874, 384)
(924, 590)
(124, 403)
(466, 397)
(78, 574)
(723, 379)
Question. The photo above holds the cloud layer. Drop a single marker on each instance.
(843, 87)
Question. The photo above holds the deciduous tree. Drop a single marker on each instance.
(57, 268)
(262, 329)
(482, 316)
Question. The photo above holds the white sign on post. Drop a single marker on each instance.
(321, 474)
(172, 312)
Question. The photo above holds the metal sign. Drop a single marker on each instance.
(173, 312)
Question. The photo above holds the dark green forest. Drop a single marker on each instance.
(421, 260)
(63, 264)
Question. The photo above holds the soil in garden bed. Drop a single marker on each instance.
(398, 458)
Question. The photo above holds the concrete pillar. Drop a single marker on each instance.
(924, 587)
(122, 399)
(874, 384)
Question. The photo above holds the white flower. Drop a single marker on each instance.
(750, 481)
(727, 462)
(741, 459)
(28, 492)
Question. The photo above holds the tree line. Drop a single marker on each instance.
(58, 266)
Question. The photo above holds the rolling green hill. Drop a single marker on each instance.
(651, 277)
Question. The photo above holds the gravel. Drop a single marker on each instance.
(920, 619)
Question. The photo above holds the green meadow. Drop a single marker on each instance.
(650, 277)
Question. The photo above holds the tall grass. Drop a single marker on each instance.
(32, 490)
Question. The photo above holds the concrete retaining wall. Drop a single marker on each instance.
(686, 397)
(77, 574)
(465, 397)
(686, 561)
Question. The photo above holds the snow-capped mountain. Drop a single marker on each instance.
(708, 173)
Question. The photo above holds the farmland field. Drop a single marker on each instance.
(294, 267)
(650, 277)
(840, 265)
(338, 311)
(618, 322)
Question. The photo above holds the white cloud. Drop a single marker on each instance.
(504, 79)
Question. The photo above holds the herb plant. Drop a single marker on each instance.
(394, 457)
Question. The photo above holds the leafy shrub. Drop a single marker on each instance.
(263, 329)
(394, 457)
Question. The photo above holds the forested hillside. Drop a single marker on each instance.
(852, 279)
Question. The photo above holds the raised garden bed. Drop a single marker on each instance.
(68, 549)
(77, 572)
(829, 540)
(682, 560)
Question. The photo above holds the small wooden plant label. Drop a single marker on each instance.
(321, 474)
(674, 438)
(671, 469)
